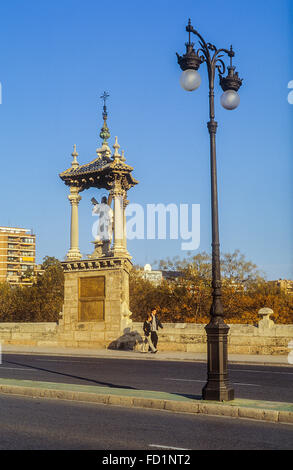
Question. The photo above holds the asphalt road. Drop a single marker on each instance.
(270, 383)
(34, 424)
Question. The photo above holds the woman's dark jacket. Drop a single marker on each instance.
(147, 326)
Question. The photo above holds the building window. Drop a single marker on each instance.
(27, 240)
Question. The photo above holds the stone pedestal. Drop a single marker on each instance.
(96, 302)
(102, 248)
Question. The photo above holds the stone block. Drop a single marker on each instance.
(181, 407)
(285, 417)
(5, 335)
(120, 400)
(91, 397)
(218, 409)
(259, 414)
(252, 413)
(149, 403)
(246, 340)
(21, 336)
(235, 349)
(198, 348)
(67, 336)
(82, 336)
(97, 326)
(97, 336)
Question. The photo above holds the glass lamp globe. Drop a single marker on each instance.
(230, 99)
(190, 80)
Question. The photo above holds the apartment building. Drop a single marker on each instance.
(284, 285)
(17, 255)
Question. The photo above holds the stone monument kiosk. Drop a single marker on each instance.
(96, 292)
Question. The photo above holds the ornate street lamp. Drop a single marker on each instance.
(217, 387)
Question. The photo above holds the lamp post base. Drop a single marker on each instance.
(217, 387)
(218, 393)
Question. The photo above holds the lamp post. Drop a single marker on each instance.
(217, 387)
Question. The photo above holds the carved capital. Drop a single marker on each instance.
(118, 190)
(74, 196)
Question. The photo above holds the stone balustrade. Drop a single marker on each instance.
(29, 334)
(264, 338)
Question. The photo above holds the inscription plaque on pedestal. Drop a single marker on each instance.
(91, 298)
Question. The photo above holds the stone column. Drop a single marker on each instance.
(125, 204)
(118, 244)
(74, 199)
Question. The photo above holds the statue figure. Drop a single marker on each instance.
(104, 225)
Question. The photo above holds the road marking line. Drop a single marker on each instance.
(185, 380)
(194, 380)
(67, 362)
(250, 385)
(166, 447)
(261, 371)
(14, 368)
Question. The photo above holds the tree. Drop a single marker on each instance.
(49, 289)
(41, 302)
(6, 305)
(236, 270)
(188, 298)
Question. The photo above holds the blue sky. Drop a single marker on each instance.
(56, 58)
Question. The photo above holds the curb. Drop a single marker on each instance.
(191, 407)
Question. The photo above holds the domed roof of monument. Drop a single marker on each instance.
(102, 170)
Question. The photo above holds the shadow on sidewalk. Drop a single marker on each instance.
(186, 395)
(105, 384)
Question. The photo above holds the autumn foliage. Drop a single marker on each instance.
(188, 297)
(41, 302)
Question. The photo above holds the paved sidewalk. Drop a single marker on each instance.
(160, 356)
(240, 408)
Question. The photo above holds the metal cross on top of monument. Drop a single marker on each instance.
(108, 171)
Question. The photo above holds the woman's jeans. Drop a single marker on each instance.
(147, 342)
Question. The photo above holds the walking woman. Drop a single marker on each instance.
(155, 325)
(147, 343)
